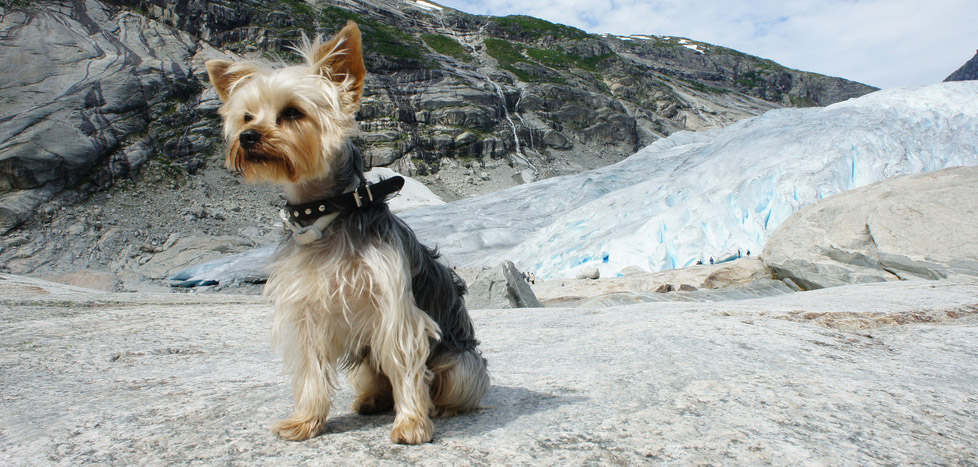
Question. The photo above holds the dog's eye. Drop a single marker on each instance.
(292, 113)
(248, 118)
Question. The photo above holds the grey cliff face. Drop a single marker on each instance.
(89, 94)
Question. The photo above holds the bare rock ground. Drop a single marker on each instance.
(883, 373)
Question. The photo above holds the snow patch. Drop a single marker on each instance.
(425, 5)
(691, 46)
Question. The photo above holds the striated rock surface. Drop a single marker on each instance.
(913, 227)
(687, 293)
(90, 93)
(867, 374)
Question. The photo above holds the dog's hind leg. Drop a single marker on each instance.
(374, 392)
(460, 382)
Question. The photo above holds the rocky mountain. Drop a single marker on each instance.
(93, 90)
(968, 71)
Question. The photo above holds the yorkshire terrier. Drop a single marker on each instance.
(353, 288)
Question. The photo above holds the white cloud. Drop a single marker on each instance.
(884, 43)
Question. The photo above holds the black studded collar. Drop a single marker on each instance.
(365, 195)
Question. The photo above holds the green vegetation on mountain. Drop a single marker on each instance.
(530, 28)
(446, 46)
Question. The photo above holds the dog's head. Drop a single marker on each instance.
(288, 124)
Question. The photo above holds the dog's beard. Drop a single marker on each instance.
(260, 163)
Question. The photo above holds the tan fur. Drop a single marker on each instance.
(335, 303)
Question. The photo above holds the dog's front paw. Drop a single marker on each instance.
(413, 431)
(297, 430)
(369, 404)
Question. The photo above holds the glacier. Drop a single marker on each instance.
(695, 196)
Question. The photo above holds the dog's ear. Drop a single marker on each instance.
(225, 74)
(341, 59)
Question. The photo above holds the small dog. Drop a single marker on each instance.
(353, 288)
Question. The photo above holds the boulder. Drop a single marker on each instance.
(734, 273)
(188, 251)
(914, 227)
(590, 272)
(501, 287)
(524, 176)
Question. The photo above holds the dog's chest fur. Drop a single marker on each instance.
(343, 286)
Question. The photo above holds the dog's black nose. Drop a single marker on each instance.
(249, 138)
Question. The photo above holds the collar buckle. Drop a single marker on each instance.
(358, 198)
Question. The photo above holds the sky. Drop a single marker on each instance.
(884, 43)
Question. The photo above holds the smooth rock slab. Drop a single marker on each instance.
(181, 378)
(910, 227)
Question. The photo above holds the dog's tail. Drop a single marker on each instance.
(460, 382)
